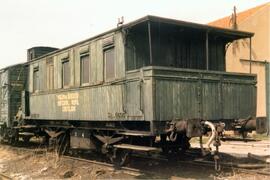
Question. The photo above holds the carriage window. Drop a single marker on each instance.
(85, 69)
(109, 63)
(36, 79)
(65, 73)
(31, 56)
(50, 76)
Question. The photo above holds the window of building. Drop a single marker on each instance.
(50, 75)
(36, 79)
(85, 69)
(109, 63)
(65, 73)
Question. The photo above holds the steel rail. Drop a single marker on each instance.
(248, 169)
(127, 170)
(252, 145)
(4, 177)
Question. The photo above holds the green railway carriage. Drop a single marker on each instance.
(153, 77)
(150, 71)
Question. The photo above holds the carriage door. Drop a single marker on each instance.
(4, 93)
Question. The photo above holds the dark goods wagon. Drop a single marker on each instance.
(148, 85)
(12, 83)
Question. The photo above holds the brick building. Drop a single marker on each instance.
(238, 54)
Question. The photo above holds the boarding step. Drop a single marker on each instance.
(135, 133)
(25, 127)
(26, 134)
(137, 148)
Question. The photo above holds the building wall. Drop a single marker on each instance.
(260, 25)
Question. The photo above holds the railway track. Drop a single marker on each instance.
(261, 145)
(4, 177)
(262, 169)
(126, 170)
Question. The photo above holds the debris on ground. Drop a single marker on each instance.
(19, 164)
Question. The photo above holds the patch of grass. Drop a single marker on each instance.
(197, 139)
(260, 136)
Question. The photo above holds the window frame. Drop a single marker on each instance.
(49, 75)
(31, 54)
(65, 60)
(82, 70)
(36, 84)
(105, 49)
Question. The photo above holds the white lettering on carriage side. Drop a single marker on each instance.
(68, 102)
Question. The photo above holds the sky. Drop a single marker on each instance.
(60, 23)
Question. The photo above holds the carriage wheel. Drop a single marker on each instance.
(244, 134)
(26, 139)
(120, 157)
(13, 136)
(63, 144)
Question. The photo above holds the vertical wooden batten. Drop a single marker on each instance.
(207, 50)
(150, 43)
(250, 55)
